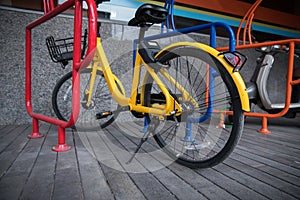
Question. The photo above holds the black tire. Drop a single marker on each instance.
(101, 101)
(212, 141)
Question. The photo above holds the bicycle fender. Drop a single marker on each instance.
(236, 76)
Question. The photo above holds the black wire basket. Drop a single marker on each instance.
(61, 50)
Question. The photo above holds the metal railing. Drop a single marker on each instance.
(49, 12)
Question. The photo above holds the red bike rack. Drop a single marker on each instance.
(49, 12)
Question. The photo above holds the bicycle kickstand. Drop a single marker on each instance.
(151, 128)
(143, 139)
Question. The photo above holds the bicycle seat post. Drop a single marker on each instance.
(143, 29)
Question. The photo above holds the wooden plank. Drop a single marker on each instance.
(177, 186)
(292, 179)
(291, 143)
(135, 129)
(260, 191)
(267, 161)
(252, 183)
(67, 182)
(153, 185)
(6, 129)
(40, 183)
(286, 130)
(10, 136)
(33, 171)
(280, 126)
(201, 184)
(128, 144)
(13, 181)
(268, 145)
(167, 178)
(271, 180)
(94, 182)
(132, 127)
(120, 183)
(12, 151)
(272, 153)
(230, 185)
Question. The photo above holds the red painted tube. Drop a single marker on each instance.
(51, 12)
(48, 6)
(29, 27)
(56, 11)
(61, 145)
(92, 22)
(92, 35)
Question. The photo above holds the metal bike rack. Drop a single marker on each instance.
(289, 81)
(49, 12)
(247, 44)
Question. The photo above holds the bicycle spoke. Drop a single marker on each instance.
(200, 135)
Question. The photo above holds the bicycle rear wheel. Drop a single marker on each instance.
(101, 101)
(197, 138)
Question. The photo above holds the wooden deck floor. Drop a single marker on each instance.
(261, 167)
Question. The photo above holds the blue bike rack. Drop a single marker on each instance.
(169, 5)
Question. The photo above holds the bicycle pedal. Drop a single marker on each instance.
(104, 114)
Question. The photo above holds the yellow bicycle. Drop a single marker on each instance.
(182, 91)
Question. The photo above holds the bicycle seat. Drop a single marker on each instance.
(148, 14)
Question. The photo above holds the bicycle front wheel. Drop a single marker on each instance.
(198, 137)
(101, 101)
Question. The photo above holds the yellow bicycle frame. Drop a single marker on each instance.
(115, 85)
(171, 107)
